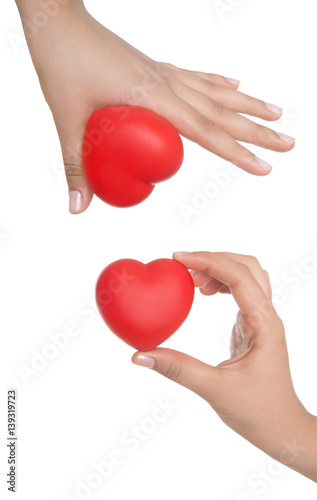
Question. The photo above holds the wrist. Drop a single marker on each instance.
(300, 453)
(295, 443)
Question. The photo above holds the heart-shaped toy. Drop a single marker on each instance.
(126, 151)
(144, 304)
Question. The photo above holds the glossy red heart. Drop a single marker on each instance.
(128, 149)
(144, 304)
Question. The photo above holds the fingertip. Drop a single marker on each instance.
(75, 201)
(275, 111)
(141, 359)
(233, 82)
(203, 291)
(287, 139)
(179, 255)
(79, 200)
(265, 167)
(269, 117)
(263, 173)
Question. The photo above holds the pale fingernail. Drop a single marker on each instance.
(181, 253)
(233, 81)
(263, 163)
(75, 201)
(206, 284)
(193, 272)
(274, 109)
(286, 138)
(143, 360)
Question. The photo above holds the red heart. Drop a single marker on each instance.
(144, 304)
(128, 149)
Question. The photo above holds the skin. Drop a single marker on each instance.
(252, 391)
(83, 66)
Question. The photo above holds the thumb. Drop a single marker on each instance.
(71, 138)
(80, 194)
(187, 371)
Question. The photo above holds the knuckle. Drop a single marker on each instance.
(244, 268)
(261, 315)
(264, 135)
(173, 371)
(210, 86)
(167, 64)
(217, 109)
(149, 84)
(205, 254)
(168, 80)
(73, 170)
(243, 155)
(205, 75)
(136, 95)
(279, 330)
(204, 124)
(253, 261)
(266, 274)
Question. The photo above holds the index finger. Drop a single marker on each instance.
(246, 290)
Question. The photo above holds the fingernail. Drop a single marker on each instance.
(206, 284)
(181, 253)
(274, 109)
(286, 138)
(75, 201)
(143, 360)
(193, 272)
(233, 81)
(263, 163)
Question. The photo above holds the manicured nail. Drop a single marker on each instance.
(143, 360)
(286, 138)
(233, 81)
(274, 109)
(263, 163)
(75, 201)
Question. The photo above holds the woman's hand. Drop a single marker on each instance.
(252, 392)
(82, 66)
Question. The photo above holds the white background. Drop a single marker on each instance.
(75, 410)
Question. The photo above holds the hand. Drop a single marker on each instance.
(252, 392)
(83, 66)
